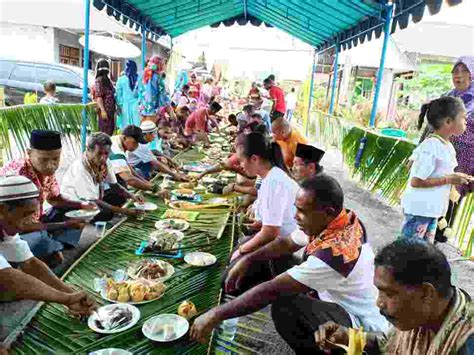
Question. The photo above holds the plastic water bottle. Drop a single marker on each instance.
(229, 327)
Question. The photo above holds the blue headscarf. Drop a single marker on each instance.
(131, 71)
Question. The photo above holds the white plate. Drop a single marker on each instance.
(152, 327)
(209, 180)
(167, 266)
(165, 224)
(82, 214)
(200, 258)
(147, 206)
(178, 234)
(111, 351)
(105, 311)
(218, 201)
(228, 175)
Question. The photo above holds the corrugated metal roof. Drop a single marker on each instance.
(320, 23)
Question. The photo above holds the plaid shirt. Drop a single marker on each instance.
(48, 186)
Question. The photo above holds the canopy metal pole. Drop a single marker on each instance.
(143, 47)
(85, 86)
(311, 89)
(378, 85)
(334, 80)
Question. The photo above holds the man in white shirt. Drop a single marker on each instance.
(144, 161)
(335, 281)
(30, 278)
(91, 178)
(123, 143)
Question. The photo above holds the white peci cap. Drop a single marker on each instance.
(147, 127)
(17, 187)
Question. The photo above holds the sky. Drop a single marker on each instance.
(254, 51)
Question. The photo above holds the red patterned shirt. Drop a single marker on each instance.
(48, 186)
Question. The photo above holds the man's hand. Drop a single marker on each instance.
(74, 223)
(235, 255)
(80, 304)
(88, 206)
(236, 275)
(138, 199)
(164, 194)
(203, 326)
(181, 177)
(228, 189)
(331, 333)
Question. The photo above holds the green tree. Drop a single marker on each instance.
(202, 61)
(431, 82)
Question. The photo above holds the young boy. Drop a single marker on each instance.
(50, 91)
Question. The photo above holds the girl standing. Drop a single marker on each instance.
(127, 96)
(432, 173)
(153, 91)
(104, 96)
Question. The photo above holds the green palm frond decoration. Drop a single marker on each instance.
(383, 163)
(383, 166)
(17, 122)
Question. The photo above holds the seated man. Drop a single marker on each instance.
(197, 124)
(144, 161)
(429, 314)
(123, 143)
(288, 138)
(306, 162)
(91, 178)
(30, 279)
(249, 112)
(333, 283)
(244, 184)
(48, 232)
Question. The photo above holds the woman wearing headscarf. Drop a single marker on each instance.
(153, 90)
(127, 96)
(104, 96)
(463, 81)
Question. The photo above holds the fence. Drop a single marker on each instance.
(380, 163)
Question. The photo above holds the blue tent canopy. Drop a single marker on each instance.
(320, 23)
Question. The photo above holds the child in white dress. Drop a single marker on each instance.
(432, 173)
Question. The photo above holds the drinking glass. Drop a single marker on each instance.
(100, 228)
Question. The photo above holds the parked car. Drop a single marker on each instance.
(21, 77)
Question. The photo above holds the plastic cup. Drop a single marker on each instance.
(100, 228)
(99, 284)
(119, 275)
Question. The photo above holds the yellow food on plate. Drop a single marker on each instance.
(123, 296)
(134, 291)
(187, 309)
(187, 185)
(112, 294)
(184, 191)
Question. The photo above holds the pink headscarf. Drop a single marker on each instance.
(155, 64)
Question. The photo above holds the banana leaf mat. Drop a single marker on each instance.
(53, 331)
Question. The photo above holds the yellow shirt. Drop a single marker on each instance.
(288, 147)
